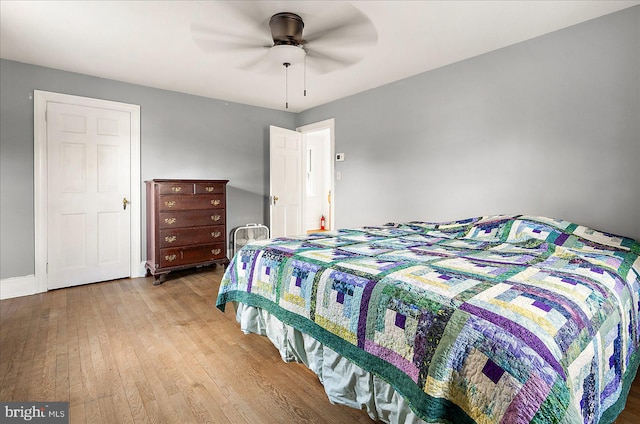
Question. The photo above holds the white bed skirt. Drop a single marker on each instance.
(344, 382)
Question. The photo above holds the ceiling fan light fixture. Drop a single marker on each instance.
(284, 53)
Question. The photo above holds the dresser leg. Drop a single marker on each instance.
(159, 279)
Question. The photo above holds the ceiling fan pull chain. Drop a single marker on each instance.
(305, 75)
(286, 84)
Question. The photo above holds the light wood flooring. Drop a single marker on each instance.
(126, 351)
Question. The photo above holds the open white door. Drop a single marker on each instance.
(285, 189)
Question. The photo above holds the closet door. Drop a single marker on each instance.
(88, 177)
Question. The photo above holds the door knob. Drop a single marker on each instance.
(124, 203)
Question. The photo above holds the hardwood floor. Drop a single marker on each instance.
(126, 351)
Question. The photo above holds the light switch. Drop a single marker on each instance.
(339, 157)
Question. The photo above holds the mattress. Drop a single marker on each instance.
(491, 319)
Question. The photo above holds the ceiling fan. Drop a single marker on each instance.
(335, 36)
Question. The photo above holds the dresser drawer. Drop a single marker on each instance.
(209, 188)
(195, 218)
(191, 255)
(181, 203)
(191, 236)
(175, 188)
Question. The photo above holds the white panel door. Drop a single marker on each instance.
(88, 227)
(285, 182)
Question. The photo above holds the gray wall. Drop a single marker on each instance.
(548, 127)
(182, 136)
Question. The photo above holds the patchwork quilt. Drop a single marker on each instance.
(500, 319)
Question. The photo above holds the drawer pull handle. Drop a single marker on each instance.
(209, 189)
(215, 234)
(169, 221)
(170, 239)
(170, 204)
(170, 258)
(215, 251)
(176, 189)
(215, 217)
(215, 202)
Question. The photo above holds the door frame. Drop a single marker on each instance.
(40, 179)
(317, 126)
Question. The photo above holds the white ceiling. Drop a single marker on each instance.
(182, 46)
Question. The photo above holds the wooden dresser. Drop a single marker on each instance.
(186, 225)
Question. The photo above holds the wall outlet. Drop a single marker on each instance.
(339, 157)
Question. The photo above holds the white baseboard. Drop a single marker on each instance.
(18, 286)
(25, 286)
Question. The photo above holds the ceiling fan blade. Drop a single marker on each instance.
(211, 46)
(259, 63)
(352, 27)
(249, 14)
(325, 62)
(211, 40)
(204, 30)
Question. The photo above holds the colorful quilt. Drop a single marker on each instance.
(501, 319)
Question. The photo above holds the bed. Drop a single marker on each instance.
(498, 319)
